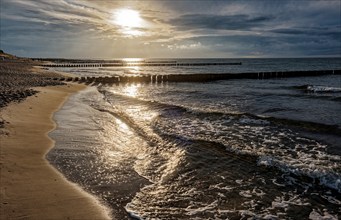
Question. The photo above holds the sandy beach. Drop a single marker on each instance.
(170, 110)
(30, 187)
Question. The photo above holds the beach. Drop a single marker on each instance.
(30, 187)
(163, 150)
(164, 110)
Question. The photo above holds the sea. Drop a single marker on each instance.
(229, 149)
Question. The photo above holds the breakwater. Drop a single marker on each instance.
(122, 64)
(144, 78)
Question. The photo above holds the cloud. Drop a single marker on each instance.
(46, 11)
(260, 46)
(190, 46)
(219, 22)
(334, 33)
(184, 28)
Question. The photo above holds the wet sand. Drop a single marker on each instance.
(30, 188)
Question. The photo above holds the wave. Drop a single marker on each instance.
(330, 179)
(306, 125)
(323, 89)
(196, 159)
(167, 108)
(298, 161)
(208, 174)
(273, 140)
(274, 145)
(319, 89)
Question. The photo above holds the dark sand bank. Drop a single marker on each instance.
(17, 79)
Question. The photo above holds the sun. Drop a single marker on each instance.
(127, 18)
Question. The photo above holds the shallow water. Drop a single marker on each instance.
(227, 149)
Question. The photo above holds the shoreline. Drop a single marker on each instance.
(30, 186)
(85, 155)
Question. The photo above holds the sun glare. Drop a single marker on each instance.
(129, 22)
(127, 18)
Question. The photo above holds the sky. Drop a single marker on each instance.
(108, 29)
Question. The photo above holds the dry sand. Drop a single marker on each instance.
(30, 187)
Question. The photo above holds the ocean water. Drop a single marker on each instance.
(233, 149)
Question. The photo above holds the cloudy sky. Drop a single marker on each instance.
(178, 28)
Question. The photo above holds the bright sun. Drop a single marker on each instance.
(127, 18)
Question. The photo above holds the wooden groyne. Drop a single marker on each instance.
(194, 77)
(122, 64)
(73, 65)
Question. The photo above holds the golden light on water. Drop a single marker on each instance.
(129, 20)
(135, 70)
(131, 90)
(133, 65)
(132, 60)
(122, 125)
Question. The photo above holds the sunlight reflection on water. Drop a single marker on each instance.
(122, 125)
(131, 90)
